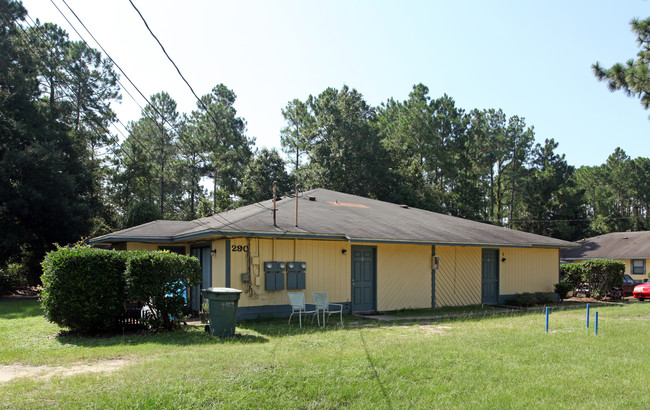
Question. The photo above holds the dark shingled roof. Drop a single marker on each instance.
(616, 245)
(334, 215)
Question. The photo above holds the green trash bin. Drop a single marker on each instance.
(222, 303)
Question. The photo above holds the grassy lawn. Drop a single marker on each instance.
(504, 361)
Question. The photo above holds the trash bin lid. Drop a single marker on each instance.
(221, 290)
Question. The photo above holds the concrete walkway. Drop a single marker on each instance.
(497, 311)
(388, 318)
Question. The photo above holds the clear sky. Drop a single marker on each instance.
(531, 59)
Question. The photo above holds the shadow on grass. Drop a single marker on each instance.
(20, 308)
(278, 327)
(185, 336)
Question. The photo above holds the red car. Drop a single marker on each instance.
(642, 291)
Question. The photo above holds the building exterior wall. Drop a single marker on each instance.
(403, 276)
(219, 251)
(141, 246)
(528, 270)
(328, 268)
(628, 269)
(458, 277)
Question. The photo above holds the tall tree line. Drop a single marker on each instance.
(429, 153)
(65, 176)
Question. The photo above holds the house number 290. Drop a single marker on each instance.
(239, 248)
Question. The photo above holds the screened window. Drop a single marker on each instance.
(638, 266)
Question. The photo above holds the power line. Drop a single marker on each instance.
(68, 94)
(145, 150)
(560, 220)
(180, 135)
(130, 81)
(168, 57)
(173, 63)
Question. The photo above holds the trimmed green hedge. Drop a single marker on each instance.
(603, 275)
(600, 274)
(562, 289)
(84, 288)
(161, 279)
(572, 273)
(527, 299)
(87, 289)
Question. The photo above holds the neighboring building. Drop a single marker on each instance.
(369, 255)
(633, 248)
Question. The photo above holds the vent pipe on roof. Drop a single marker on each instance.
(296, 205)
(274, 208)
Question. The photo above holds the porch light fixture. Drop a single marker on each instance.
(213, 251)
(344, 251)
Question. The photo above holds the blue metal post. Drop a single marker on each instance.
(546, 320)
(587, 315)
(596, 325)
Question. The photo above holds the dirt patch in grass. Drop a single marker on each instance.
(435, 329)
(13, 371)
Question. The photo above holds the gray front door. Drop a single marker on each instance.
(204, 257)
(490, 282)
(363, 279)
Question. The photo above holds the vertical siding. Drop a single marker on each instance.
(458, 278)
(328, 269)
(403, 271)
(403, 276)
(528, 270)
(219, 263)
(140, 246)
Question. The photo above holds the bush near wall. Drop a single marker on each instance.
(562, 289)
(527, 299)
(160, 278)
(87, 289)
(600, 274)
(572, 273)
(603, 275)
(84, 288)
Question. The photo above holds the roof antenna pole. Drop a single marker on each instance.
(274, 208)
(296, 205)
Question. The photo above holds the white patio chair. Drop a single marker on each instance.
(321, 300)
(298, 306)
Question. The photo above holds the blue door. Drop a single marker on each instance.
(490, 274)
(363, 279)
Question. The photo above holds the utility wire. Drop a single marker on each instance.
(173, 63)
(165, 51)
(131, 82)
(180, 135)
(67, 93)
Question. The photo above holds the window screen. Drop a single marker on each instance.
(638, 266)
